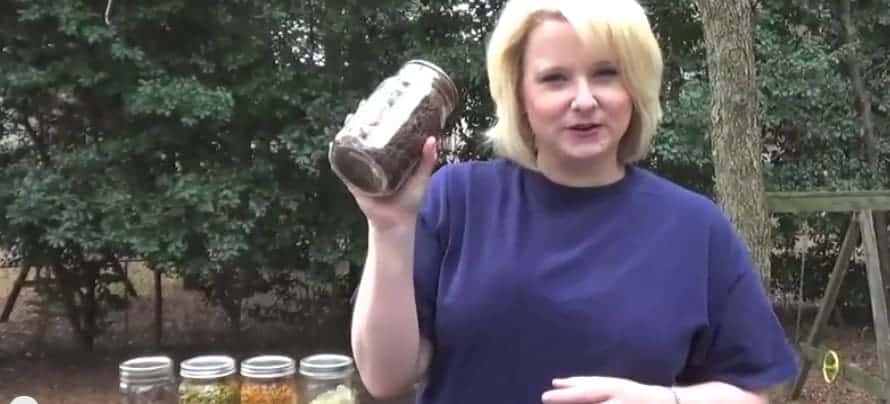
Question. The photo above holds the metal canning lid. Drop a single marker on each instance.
(450, 89)
(268, 366)
(207, 367)
(326, 366)
(146, 370)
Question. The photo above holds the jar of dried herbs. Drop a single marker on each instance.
(210, 379)
(269, 379)
(380, 144)
(327, 379)
(147, 380)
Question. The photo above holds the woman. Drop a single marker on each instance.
(560, 272)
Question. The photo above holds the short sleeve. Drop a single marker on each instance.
(744, 344)
(429, 248)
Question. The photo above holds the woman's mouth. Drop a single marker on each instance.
(585, 129)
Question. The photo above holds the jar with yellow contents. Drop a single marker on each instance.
(208, 379)
(269, 379)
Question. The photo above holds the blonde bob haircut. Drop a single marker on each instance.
(619, 26)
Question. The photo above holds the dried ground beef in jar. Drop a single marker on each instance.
(380, 145)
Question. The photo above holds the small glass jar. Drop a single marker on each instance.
(147, 380)
(380, 144)
(269, 379)
(209, 379)
(327, 379)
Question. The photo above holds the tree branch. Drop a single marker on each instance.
(39, 144)
(108, 12)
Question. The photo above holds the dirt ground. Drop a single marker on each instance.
(39, 359)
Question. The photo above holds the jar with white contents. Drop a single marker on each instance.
(328, 379)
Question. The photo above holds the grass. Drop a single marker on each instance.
(39, 357)
(188, 318)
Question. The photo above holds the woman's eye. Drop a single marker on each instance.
(606, 72)
(552, 78)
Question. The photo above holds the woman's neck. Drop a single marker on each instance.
(584, 174)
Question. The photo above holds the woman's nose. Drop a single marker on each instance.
(584, 97)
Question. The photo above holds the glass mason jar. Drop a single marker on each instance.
(209, 379)
(381, 143)
(147, 380)
(327, 379)
(269, 379)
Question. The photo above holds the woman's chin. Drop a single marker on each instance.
(587, 154)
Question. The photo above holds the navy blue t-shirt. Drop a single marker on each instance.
(520, 280)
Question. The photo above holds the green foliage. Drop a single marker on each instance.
(185, 98)
(681, 149)
(194, 134)
(813, 130)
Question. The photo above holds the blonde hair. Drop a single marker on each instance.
(621, 25)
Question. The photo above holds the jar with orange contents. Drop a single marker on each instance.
(269, 379)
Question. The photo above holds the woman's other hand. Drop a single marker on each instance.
(605, 390)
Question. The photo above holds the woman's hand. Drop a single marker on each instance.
(606, 390)
(400, 209)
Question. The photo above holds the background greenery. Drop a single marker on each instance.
(192, 134)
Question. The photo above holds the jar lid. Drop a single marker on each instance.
(326, 366)
(146, 370)
(268, 366)
(207, 367)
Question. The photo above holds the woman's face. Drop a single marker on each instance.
(574, 97)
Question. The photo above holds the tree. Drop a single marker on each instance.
(192, 134)
(864, 105)
(734, 122)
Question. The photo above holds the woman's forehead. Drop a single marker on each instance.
(556, 41)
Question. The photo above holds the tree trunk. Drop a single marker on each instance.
(229, 291)
(159, 308)
(89, 306)
(70, 292)
(734, 126)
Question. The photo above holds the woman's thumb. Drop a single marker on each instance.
(428, 159)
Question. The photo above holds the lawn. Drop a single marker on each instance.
(38, 357)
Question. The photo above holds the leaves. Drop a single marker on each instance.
(194, 133)
(184, 98)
